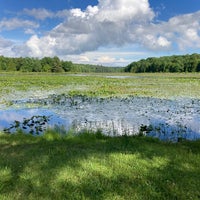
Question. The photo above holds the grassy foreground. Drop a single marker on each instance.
(92, 166)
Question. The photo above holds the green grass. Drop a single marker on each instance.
(163, 85)
(92, 166)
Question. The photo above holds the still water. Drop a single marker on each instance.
(162, 118)
(8, 117)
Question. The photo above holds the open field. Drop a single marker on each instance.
(94, 166)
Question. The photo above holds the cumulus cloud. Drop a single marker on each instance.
(185, 30)
(182, 31)
(6, 47)
(110, 23)
(124, 10)
(40, 47)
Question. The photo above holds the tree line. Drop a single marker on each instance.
(175, 63)
(50, 64)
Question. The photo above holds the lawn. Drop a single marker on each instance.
(92, 166)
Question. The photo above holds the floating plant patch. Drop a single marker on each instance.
(33, 121)
(162, 118)
(34, 125)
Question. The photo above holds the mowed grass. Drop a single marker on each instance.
(92, 166)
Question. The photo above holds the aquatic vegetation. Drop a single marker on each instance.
(116, 105)
(86, 163)
(31, 120)
(18, 86)
(168, 120)
(35, 125)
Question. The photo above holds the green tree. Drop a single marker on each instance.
(66, 65)
(56, 65)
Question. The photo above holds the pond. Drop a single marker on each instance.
(166, 119)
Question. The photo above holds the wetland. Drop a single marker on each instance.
(166, 106)
(99, 136)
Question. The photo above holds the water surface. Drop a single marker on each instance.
(165, 119)
(8, 117)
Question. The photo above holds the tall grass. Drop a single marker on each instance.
(93, 166)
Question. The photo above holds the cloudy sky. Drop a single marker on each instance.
(106, 32)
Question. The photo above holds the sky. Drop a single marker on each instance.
(103, 32)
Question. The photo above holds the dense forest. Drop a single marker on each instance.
(181, 63)
(48, 64)
(175, 63)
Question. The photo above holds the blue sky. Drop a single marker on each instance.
(106, 32)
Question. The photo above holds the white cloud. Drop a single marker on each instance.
(6, 47)
(40, 13)
(29, 31)
(163, 42)
(182, 31)
(62, 13)
(108, 23)
(77, 13)
(105, 59)
(111, 23)
(111, 61)
(83, 59)
(89, 12)
(113, 57)
(184, 28)
(40, 47)
(14, 23)
(151, 41)
(5, 43)
(98, 60)
(124, 10)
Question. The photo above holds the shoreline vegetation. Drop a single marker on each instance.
(172, 64)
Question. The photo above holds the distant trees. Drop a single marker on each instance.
(56, 65)
(66, 65)
(49, 64)
(27, 64)
(182, 63)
